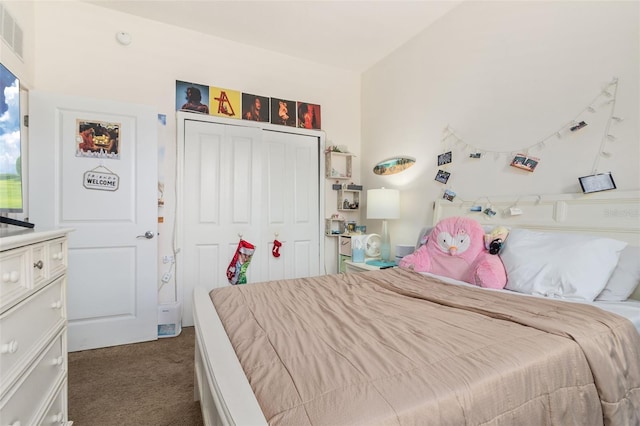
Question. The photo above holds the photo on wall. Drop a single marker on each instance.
(442, 176)
(255, 107)
(224, 102)
(445, 158)
(524, 162)
(192, 97)
(97, 139)
(308, 116)
(283, 112)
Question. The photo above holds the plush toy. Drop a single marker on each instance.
(455, 249)
(494, 240)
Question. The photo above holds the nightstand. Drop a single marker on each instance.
(352, 267)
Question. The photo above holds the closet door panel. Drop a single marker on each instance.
(220, 202)
(291, 183)
(208, 168)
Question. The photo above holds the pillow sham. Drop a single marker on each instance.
(625, 277)
(558, 265)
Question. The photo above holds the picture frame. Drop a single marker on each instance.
(283, 112)
(442, 176)
(596, 183)
(524, 162)
(445, 158)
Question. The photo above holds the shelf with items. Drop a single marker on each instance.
(334, 226)
(348, 200)
(338, 165)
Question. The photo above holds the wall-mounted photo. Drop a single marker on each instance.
(255, 107)
(442, 176)
(283, 112)
(192, 97)
(524, 162)
(445, 158)
(224, 102)
(449, 195)
(308, 116)
(97, 139)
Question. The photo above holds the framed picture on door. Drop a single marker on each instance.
(97, 139)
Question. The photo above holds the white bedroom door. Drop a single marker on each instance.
(244, 181)
(110, 200)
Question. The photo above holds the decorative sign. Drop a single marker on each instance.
(391, 166)
(101, 181)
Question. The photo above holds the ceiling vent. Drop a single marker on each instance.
(11, 32)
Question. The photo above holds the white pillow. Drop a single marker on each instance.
(625, 277)
(567, 266)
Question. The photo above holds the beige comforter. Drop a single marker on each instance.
(396, 347)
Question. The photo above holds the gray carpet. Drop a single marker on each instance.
(141, 384)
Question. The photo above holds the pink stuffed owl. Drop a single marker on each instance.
(455, 248)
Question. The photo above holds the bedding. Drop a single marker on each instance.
(398, 347)
(565, 266)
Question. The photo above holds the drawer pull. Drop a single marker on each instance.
(58, 361)
(9, 348)
(57, 256)
(56, 305)
(38, 264)
(12, 277)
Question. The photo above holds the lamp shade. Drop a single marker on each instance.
(383, 203)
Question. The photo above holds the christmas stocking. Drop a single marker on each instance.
(237, 270)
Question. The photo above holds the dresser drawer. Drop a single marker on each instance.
(27, 327)
(14, 276)
(56, 414)
(57, 250)
(30, 397)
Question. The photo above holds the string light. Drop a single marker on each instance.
(610, 91)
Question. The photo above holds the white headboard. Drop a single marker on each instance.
(614, 214)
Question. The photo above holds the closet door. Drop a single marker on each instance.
(221, 200)
(258, 183)
(290, 189)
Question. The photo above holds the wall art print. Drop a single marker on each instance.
(255, 107)
(192, 97)
(211, 100)
(309, 116)
(283, 112)
(225, 102)
(98, 139)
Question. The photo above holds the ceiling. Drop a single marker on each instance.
(351, 35)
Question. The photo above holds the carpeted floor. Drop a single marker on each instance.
(142, 384)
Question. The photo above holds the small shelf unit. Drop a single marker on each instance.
(338, 165)
(348, 200)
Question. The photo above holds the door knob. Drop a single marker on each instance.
(148, 235)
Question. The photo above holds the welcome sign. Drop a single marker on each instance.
(101, 181)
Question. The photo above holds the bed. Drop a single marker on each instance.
(400, 347)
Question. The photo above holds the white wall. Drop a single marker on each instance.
(76, 53)
(504, 75)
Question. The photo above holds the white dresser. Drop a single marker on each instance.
(33, 327)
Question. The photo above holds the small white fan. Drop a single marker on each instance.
(372, 245)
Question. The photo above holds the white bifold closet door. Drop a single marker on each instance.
(257, 183)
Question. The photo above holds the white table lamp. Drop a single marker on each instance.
(383, 204)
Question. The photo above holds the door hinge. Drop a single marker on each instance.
(26, 120)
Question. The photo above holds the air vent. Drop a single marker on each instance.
(11, 32)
